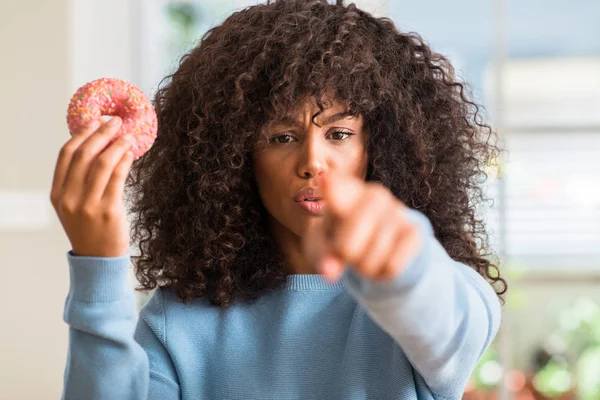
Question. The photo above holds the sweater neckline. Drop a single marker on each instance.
(312, 282)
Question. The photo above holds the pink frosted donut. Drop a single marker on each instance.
(108, 96)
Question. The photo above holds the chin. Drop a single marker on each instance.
(297, 223)
(305, 224)
(297, 226)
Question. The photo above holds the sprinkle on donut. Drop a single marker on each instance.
(107, 96)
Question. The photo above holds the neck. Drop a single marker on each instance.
(290, 246)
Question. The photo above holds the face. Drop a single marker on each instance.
(294, 154)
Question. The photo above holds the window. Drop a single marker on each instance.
(552, 178)
(168, 28)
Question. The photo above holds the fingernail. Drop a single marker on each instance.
(114, 121)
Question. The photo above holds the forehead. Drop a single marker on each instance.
(308, 105)
(333, 110)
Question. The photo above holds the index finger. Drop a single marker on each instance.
(66, 154)
(341, 193)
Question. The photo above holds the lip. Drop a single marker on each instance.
(313, 207)
(308, 193)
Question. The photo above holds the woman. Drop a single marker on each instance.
(306, 216)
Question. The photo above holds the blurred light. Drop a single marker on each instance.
(490, 373)
(556, 379)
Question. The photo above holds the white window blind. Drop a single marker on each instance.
(552, 178)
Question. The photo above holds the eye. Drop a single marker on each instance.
(282, 139)
(338, 136)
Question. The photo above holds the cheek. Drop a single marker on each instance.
(363, 161)
(269, 180)
(364, 166)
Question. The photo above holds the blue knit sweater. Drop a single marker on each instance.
(417, 336)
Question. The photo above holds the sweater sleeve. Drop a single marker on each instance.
(110, 355)
(442, 313)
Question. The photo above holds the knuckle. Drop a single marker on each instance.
(120, 173)
(81, 154)
(369, 273)
(384, 195)
(387, 274)
(54, 199)
(102, 163)
(67, 206)
(378, 196)
(109, 212)
(67, 150)
(88, 210)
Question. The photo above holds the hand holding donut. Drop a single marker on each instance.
(87, 190)
(364, 227)
(89, 178)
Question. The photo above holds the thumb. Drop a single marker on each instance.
(330, 266)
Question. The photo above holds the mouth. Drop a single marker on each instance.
(310, 199)
(312, 205)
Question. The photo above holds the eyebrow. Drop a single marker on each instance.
(337, 117)
(288, 120)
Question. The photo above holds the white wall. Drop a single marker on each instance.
(103, 41)
(47, 50)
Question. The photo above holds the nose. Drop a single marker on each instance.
(312, 160)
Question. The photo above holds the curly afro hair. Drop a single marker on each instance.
(197, 216)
